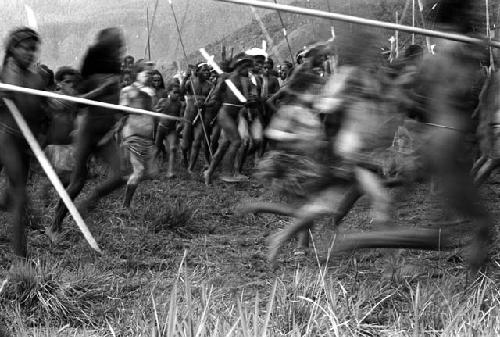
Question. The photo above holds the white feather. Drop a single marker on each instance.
(32, 23)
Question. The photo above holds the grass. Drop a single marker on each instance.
(182, 264)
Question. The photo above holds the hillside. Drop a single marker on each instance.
(69, 26)
(303, 30)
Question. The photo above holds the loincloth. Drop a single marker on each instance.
(141, 148)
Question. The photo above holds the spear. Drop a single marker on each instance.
(396, 36)
(266, 34)
(332, 29)
(413, 21)
(285, 34)
(147, 24)
(362, 21)
(150, 28)
(427, 39)
(192, 85)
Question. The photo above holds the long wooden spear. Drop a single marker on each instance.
(147, 25)
(84, 101)
(267, 35)
(285, 33)
(361, 21)
(150, 28)
(51, 174)
(207, 140)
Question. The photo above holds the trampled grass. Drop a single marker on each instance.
(182, 264)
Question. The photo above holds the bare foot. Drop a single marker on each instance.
(275, 243)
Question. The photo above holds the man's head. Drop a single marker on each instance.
(286, 69)
(112, 40)
(67, 79)
(268, 67)
(316, 54)
(22, 45)
(127, 78)
(242, 64)
(143, 74)
(174, 92)
(128, 62)
(258, 63)
(203, 71)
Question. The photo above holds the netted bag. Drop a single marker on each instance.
(404, 157)
(62, 157)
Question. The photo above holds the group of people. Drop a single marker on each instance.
(214, 118)
(317, 124)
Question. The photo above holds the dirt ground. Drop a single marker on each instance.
(144, 247)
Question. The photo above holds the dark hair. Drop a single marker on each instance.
(172, 85)
(104, 57)
(240, 58)
(157, 72)
(64, 71)
(110, 36)
(16, 36)
(270, 62)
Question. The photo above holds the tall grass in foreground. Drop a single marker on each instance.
(311, 303)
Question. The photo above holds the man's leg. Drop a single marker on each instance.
(215, 136)
(161, 133)
(231, 142)
(218, 156)
(461, 195)
(111, 155)
(195, 148)
(172, 143)
(138, 171)
(187, 133)
(371, 185)
(16, 166)
(84, 147)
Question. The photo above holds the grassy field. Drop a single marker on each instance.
(181, 263)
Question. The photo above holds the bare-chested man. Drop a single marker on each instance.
(21, 49)
(167, 129)
(196, 88)
(270, 86)
(138, 132)
(102, 63)
(228, 117)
